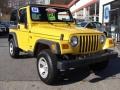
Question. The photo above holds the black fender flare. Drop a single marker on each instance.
(49, 44)
(14, 36)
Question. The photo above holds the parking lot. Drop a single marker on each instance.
(21, 74)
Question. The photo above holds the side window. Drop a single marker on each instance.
(23, 16)
(14, 17)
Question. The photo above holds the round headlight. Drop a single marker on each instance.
(102, 39)
(74, 41)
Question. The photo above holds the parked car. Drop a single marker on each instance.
(6, 25)
(2, 29)
(78, 21)
(92, 25)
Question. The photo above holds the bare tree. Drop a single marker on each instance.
(4, 6)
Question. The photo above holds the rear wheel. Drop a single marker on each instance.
(14, 51)
(47, 66)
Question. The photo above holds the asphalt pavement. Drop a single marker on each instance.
(21, 74)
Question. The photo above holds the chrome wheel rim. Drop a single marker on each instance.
(11, 48)
(43, 67)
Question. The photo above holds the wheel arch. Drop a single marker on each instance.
(13, 36)
(42, 44)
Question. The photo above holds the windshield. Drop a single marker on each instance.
(50, 14)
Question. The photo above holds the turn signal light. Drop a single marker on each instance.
(110, 41)
(65, 46)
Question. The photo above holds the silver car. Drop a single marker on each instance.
(92, 25)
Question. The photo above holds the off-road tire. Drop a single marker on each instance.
(51, 62)
(13, 50)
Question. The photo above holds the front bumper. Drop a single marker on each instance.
(66, 64)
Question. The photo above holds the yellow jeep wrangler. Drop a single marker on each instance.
(50, 34)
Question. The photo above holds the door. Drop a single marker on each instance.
(23, 32)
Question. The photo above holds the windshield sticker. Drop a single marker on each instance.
(35, 10)
(51, 10)
(36, 16)
(51, 16)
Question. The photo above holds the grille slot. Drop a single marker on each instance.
(89, 43)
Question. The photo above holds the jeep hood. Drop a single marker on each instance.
(55, 30)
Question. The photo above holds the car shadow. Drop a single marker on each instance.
(82, 73)
(4, 36)
(26, 56)
(110, 72)
(72, 76)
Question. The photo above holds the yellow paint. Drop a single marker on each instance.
(109, 43)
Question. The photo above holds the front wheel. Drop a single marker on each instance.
(47, 66)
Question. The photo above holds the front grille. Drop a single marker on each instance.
(89, 43)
